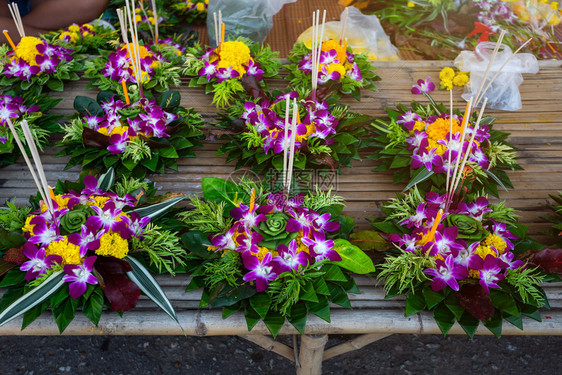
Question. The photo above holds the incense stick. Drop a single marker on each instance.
(216, 29)
(469, 150)
(292, 150)
(450, 137)
(15, 12)
(319, 51)
(27, 161)
(502, 66)
(344, 24)
(146, 15)
(155, 15)
(490, 63)
(313, 45)
(220, 27)
(35, 155)
(285, 146)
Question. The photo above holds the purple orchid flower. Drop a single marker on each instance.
(428, 159)
(475, 209)
(37, 264)
(246, 217)
(354, 73)
(324, 76)
(507, 258)
(118, 143)
(323, 223)
(289, 259)
(417, 219)
(106, 217)
(226, 73)
(490, 272)
(478, 156)
(45, 234)
(320, 248)
(500, 230)
(446, 273)
(80, 275)
(249, 243)
(416, 141)
(261, 272)
(134, 226)
(254, 70)
(91, 186)
(88, 238)
(408, 119)
(424, 86)
(300, 221)
(407, 242)
(446, 242)
(226, 241)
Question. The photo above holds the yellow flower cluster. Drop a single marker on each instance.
(438, 131)
(69, 252)
(485, 249)
(112, 244)
(342, 66)
(200, 6)
(27, 49)
(149, 12)
(74, 32)
(541, 11)
(28, 227)
(449, 78)
(234, 54)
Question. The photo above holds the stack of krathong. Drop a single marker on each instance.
(230, 69)
(273, 255)
(331, 64)
(147, 67)
(34, 63)
(86, 244)
(34, 110)
(134, 137)
(421, 144)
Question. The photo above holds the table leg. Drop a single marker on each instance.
(311, 354)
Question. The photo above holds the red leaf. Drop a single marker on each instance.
(252, 86)
(15, 256)
(121, 292)
(92, 138)
(549, 259)
(476, 302)
(5, 266)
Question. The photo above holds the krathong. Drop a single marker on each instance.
(271, 255)
(192, 11)
(466, 260)
(87, 38)
(230, 69)
(328, 135)
(144, 136)
(35, 111)
(417, 145)
(91, 244)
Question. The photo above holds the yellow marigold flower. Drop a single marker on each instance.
(207, 2)
(460, 80)
(554, 5)
(446, 74)
(411, 4)
(138, 18)
(27, 49)
(73, 28)
(200, 7)
(336, 68)
(88, 26)
(69, 252)
(28, 227)
(419, 126)
(440, 148)
(234, 54)
(447, 84)
(554, 20)
(119, 130)
(495, 241)
(98, 201)
(332, 44)
(263, 252)
(309, 130)
(439, 128)
(112, 244)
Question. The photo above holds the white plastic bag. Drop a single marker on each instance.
(364, 35)
(504, 92)
(252, 19)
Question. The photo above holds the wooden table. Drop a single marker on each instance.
(536, 131)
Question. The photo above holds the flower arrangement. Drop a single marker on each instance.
(227, 71)
(34, 110)
(86, 38)
(416, 144)
(340, 69)
(144, 136)
(34, 63)
(328, 136)
(157, 69)
(91, 245)
(192, 11)
(272, 256)
(463, 260)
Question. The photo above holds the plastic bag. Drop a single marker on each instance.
(503, 93)
(252, 19)
(364, 35)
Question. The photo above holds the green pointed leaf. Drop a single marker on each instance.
(517, 321)
(87, 106)
(532, 312)
(13, 277)
(414, 303)
(308, 293)
(107, 180)
(321, 308)
(320, 287)
(469, 324)
(298, 317)
(432, 298)
(10, 240)
(504, 302)
(149, 286)
(32, 298)
(495, 324)
(229, 310)
(353, 258)
(421, 175)
(195, 283)
(93, 306)
(496, 179)
(453, 304)
(64, 313)
(169, 99)
(444, 318)
(339, 296)
(218, 190)
(252, 317)
(261, 303)
(156, 209)
(32, 314)
(333, 273)
(274, 321)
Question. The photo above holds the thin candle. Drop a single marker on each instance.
(125, 91)
(344, 23)
(436, 223)
(9, 39)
